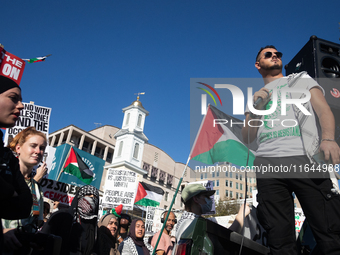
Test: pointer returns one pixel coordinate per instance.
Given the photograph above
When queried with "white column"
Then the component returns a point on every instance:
(81, 143)
(94, 147)
(61, 139)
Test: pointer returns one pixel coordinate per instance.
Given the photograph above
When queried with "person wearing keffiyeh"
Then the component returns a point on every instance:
(135, 244)
(84, 209)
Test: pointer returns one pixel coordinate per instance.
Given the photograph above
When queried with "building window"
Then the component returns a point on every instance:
(166, 197)
(170, 180)
(213, 183)
(226, 183)
(231, 175)
(230, 194)
(201, 176)
(218, 192)
(230, 184)
(226, 174)
(109, 157)
(139, 122)
(226, 193)
(217, 183)
(154, 173)
(218, 174)
(236, 185)
(241, 186)
(162, 176)
(127, 119)
(236, 195)
(120, 149)
(205, 176)
(135, 152)
(213, 175)
(251, 189)
(240, 177)
(236, 176)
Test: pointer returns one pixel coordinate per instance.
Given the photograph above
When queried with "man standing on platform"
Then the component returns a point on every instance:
(293, 148)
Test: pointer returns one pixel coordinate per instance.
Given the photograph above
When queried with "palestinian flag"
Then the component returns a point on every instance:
(222, 143)
(75, 165)
(38, 59)
(148, 195)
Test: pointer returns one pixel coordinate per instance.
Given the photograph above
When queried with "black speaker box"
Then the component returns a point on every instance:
(321, 60)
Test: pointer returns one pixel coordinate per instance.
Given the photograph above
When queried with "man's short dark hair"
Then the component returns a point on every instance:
(262, 48)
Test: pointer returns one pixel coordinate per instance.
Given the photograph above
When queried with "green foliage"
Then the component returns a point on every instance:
(226, 207)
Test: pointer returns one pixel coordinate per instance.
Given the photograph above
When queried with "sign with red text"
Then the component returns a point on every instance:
(63, 192)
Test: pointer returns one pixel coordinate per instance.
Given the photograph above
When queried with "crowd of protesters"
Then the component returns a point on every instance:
(31, 225)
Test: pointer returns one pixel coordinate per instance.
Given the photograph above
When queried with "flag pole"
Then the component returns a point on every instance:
(179, 183)
(170, 207)
(62, 168)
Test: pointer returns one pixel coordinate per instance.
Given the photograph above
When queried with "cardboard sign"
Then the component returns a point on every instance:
(11, 66)
(120, 188)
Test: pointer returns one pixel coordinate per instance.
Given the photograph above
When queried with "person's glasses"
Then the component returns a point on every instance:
(269, 54)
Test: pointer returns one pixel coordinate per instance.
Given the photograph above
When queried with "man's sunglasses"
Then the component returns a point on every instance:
(269, 54)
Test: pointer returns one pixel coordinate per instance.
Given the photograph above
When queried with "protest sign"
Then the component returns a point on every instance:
(209, 186)
(62, 191)
(120, 188)
(11, 66)
(31, 115)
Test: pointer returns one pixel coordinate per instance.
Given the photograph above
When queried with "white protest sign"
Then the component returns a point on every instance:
(120, 188)
(32, 115)
(209, 186)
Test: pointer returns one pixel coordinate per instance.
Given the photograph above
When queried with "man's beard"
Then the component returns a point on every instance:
(275, 67)
(168, 228)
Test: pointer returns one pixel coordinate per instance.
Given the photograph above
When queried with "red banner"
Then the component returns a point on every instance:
(11, 66)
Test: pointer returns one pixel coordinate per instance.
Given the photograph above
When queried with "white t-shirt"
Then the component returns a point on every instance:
(280, 136)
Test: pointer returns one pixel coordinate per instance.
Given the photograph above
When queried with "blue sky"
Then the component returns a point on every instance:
(105, 51)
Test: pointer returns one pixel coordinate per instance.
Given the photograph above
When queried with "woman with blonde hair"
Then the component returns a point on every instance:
(29, 145)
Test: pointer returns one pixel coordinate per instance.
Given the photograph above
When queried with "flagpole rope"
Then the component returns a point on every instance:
(170, 207)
